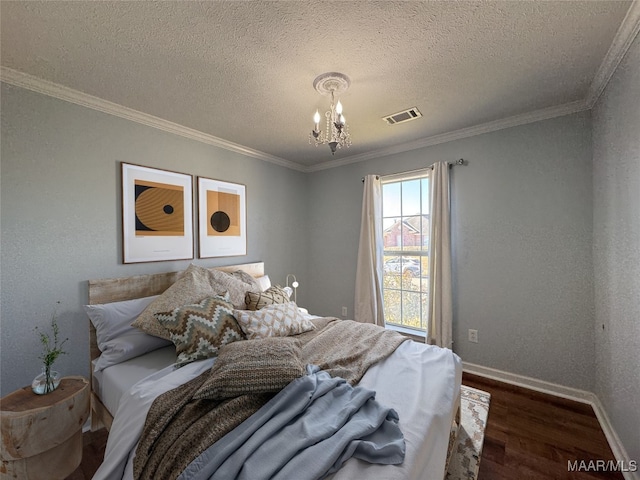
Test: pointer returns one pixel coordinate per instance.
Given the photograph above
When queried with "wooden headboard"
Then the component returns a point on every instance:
(127, 288)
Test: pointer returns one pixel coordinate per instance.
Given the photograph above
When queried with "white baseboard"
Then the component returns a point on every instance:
(530, 383)
(619, 452)
(612, 437)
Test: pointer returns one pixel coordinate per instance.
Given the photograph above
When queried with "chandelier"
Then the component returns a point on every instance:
(336, 134)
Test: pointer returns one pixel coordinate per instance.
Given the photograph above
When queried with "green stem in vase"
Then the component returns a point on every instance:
(52, 349)
(48, 381)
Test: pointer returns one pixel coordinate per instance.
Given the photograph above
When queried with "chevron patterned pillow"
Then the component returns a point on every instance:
(194, 285)
(272, 295)
(199, 330)
(277, 320)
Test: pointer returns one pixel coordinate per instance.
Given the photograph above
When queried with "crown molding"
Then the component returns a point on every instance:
(514, 121)
(45, 87)
(625, 36)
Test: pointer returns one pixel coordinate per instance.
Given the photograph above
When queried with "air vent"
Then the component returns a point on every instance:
(404, 116)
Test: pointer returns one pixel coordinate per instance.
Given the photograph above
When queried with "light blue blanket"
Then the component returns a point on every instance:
(307, 431)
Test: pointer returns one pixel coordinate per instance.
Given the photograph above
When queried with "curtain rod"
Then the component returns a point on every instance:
(457, 162)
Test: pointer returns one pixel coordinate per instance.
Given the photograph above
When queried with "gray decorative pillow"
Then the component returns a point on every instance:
(272, 295)
(246, 278)
(226, 282)
(199, 330)
(194, 285)
(252, 367)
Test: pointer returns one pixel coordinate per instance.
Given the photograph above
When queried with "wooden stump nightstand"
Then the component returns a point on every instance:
(42, 434)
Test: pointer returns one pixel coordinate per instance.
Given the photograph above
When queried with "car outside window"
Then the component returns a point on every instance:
(405, 212)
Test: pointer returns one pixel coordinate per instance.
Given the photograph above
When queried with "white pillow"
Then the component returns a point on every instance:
(129, 345)
(264, 282)
(277, 320)
(117, 339)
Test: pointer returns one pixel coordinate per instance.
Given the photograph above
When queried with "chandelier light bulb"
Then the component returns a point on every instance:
(336, 135)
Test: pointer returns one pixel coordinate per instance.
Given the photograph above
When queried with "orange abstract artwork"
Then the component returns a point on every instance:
(223, 214)
(159, 209)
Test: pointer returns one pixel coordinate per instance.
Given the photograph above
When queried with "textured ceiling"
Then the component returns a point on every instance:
(243, 71)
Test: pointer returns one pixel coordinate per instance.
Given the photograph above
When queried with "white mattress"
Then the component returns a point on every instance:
(421, 382)
(114, 381)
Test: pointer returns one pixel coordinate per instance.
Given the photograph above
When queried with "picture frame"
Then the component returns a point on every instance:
(157, 214)
(222, 218)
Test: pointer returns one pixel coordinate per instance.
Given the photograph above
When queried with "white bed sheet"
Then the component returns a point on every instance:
(114, 381)
(421, 382)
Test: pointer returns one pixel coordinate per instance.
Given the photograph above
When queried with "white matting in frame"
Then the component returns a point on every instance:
(222, 218)
(157, 214)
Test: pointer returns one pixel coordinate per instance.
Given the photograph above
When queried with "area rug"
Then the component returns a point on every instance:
(465, 459)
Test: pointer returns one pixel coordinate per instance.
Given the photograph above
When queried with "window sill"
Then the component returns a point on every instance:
(410, 332)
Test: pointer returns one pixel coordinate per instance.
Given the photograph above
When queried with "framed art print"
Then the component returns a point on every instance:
(222, 222)
(157, 214)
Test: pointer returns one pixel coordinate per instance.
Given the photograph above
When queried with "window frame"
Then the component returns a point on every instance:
(420, 251)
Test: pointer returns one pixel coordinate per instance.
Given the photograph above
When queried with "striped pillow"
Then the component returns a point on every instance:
(266, 365)
(199, 330)
(272, 295)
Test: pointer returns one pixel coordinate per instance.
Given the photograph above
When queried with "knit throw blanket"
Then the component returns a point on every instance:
(179, 428)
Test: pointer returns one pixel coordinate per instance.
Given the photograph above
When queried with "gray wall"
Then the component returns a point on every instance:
(524, 217)
(616, 232)
(61, 223)
(522, 230)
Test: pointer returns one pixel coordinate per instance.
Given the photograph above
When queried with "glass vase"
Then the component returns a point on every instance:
(46, 382)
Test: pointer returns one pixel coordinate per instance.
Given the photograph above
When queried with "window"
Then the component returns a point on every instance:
(405, 223)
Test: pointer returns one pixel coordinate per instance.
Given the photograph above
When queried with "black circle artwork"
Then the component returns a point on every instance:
(168, 209)
(220, 221)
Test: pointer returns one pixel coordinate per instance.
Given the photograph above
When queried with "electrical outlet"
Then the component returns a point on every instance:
(344, 311)
(473, 335)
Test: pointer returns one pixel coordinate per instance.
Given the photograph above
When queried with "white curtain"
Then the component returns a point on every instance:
(368, 298)
(440, 297)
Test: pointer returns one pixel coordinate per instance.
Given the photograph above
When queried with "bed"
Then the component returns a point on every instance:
(421, 383)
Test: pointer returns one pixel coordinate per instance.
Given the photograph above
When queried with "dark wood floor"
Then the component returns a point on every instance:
(529, 435)
(92, 454)
(532, 435)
